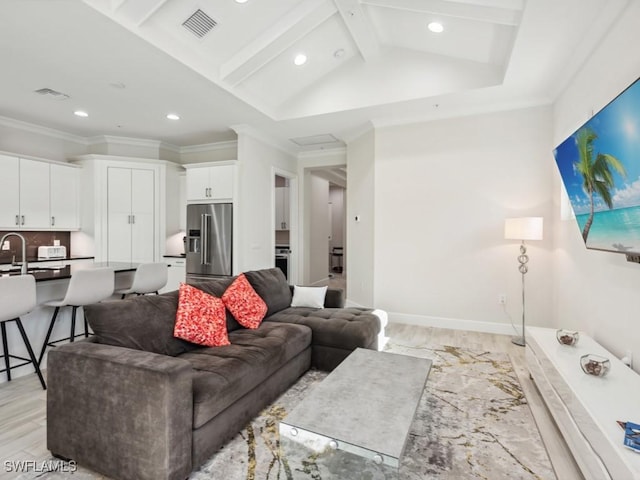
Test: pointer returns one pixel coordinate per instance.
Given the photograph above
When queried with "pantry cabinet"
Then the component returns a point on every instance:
(130, 214)
(123, 208)
(210, 182)
(34, 193)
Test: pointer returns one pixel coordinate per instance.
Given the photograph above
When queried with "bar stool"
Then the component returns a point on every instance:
(149, 278)
(17, 297)
(85, 287)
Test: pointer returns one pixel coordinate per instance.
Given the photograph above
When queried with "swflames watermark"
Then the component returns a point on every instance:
(40, 466)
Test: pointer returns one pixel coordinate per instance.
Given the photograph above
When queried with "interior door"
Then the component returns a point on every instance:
(119, 221)
(143, 219)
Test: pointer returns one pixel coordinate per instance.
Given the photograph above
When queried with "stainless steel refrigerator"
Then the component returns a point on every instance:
(209, 240)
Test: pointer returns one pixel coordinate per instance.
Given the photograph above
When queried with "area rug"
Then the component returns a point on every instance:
(473, 422)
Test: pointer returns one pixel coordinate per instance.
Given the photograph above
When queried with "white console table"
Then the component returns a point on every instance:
(585, 407)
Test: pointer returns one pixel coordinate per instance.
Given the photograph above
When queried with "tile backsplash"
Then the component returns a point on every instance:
(34, 240)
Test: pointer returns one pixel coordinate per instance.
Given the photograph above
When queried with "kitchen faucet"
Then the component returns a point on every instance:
(23, 268)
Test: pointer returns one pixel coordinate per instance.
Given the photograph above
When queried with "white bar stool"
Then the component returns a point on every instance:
(17, 298)
(85, 287)
(149, 278)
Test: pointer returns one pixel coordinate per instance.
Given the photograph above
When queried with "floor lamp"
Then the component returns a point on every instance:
(522, 228)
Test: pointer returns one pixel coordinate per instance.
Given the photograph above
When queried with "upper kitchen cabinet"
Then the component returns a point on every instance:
(210, 182)
(37, 195)
(63, 194)
(9, 192)
(282, 208)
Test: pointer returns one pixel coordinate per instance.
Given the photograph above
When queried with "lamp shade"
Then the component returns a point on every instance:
(523, 228)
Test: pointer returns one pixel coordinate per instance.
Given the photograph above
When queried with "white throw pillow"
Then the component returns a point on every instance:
(308, 296)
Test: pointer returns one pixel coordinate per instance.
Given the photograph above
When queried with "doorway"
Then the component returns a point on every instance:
(285, 215)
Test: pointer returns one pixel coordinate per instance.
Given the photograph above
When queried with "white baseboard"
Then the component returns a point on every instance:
(452, 323)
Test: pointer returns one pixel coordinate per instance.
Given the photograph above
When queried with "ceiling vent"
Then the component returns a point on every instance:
(199, 23)
(52, 93)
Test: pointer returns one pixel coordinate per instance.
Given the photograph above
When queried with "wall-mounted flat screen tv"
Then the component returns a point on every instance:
(600, 169)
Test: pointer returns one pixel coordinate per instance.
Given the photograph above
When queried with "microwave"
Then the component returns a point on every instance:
(58, 251)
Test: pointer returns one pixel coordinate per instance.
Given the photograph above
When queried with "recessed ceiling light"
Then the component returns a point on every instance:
(241, 1)
(81, 113)
(300, 59)
(436, 27)
(173, 116)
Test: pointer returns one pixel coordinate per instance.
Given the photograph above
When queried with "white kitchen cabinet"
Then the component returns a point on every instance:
(130, 214)
(34, 194)
(63, 193)
(282, 208)
(9, 192)
(37, 195)
(210, 183)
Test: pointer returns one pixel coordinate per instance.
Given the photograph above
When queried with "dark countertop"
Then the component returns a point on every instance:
(43, 274)
(182, 255)
(7, 261)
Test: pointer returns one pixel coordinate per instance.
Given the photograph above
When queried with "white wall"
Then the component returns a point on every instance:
(360, 235)
(255, 201)
(442, 192)
(597, 292)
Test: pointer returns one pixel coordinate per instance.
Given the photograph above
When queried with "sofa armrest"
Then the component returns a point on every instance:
(334, 298)
(125, 413)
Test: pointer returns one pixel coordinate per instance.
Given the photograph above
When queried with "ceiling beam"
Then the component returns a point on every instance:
(359, 27)
(289, 29)
(478, 10)
(138, 11)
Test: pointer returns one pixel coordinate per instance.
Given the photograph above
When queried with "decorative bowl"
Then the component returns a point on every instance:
(595, 365)
(567, 337)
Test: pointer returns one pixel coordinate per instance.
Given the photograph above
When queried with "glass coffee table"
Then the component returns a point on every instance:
(356, 422)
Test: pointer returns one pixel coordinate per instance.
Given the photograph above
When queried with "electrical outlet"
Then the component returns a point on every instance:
(502, 299)
(6, 245)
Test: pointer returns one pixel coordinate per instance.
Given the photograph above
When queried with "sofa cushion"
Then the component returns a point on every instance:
(272, 287)
(224, 374)
(244, 303)
(346, 328)
(216, 286)
(200, 318)
(308, 296)
(142, 323)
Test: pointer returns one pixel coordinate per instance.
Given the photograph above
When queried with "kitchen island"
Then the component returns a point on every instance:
(51, 284)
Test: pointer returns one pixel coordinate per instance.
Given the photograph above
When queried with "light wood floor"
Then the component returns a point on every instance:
(23, 402)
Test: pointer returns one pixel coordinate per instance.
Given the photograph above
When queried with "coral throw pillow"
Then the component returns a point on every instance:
(201, 318)
(246, 306)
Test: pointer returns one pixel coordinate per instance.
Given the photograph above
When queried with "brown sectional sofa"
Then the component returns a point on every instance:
(133, 402)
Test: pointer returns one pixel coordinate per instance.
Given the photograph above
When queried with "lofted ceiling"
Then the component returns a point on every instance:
(130, 62)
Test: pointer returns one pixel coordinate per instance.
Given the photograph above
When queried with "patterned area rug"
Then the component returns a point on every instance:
(473, 422)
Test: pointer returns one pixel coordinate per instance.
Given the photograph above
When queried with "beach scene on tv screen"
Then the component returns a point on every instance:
(600, 169)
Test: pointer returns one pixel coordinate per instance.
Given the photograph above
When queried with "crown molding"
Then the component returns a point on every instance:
(258, 135)
(208, 147)
(39, 129)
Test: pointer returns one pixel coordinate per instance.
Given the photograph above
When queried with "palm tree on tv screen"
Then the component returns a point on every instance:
(597, 174)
